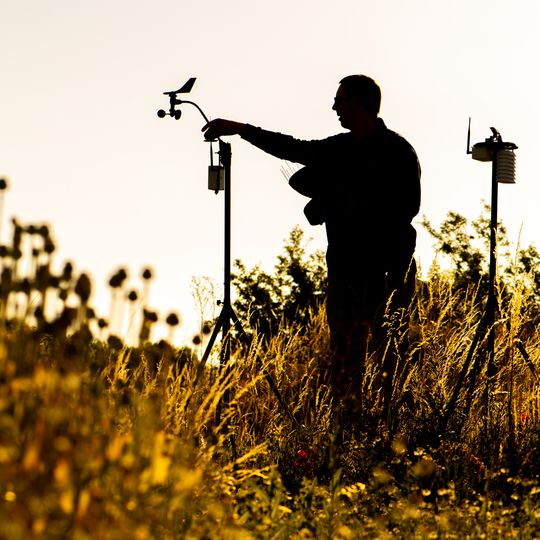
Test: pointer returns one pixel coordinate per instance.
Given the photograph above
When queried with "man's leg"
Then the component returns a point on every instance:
(390, 332)
(348, 343)
(348, 311)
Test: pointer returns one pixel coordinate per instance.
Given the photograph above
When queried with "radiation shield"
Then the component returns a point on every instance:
(216, 178)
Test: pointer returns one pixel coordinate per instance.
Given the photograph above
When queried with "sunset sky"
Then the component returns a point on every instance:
(83, 148)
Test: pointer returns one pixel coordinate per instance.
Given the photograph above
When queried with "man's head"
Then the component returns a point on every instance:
(357, 101)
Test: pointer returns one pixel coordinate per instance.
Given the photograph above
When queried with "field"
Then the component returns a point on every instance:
(99, 440)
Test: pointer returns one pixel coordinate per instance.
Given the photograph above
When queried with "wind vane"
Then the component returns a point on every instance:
(174, 101)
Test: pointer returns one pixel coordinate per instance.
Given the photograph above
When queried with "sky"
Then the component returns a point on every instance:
(83, 149)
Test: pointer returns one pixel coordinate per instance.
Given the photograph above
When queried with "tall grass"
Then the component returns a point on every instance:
(102, 440)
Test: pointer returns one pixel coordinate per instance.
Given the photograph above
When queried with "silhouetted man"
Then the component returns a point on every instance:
(365, 186)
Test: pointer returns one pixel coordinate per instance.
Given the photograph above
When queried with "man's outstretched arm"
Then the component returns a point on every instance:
(279, 145)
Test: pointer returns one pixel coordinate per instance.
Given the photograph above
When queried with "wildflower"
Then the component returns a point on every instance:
(49, 246)
(115, 343)
(24, 286)
(206, 328)
(118, 279)
(146, 276)
(63, 322)
(6, 278)
(38, 314)
(83, 288)
(172, 319)
(17, 234)
(102, 323)
(301, 458)
(150, 316)
(42, 277)
(132, 296)
(67, 272)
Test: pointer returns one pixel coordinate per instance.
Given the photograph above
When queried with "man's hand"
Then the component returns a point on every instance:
(220, 128)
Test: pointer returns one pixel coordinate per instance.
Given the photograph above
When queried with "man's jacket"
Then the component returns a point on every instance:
(365, 191)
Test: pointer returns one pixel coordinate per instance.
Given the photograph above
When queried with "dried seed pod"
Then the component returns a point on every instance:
(24, 286)
(39, 315)
(6, 281)
(49, 246)
(115, 343)
(67, 272)
(118, 279)
(83, 288)
(132, 296)
(172, 319)
(207, 328)
(42, 277)
(102, 323)
(150, 316)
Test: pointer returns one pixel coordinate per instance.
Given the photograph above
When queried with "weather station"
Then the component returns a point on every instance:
(219, 179)
(503, 171)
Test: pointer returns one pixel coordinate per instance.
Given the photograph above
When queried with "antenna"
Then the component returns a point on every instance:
(469, 151)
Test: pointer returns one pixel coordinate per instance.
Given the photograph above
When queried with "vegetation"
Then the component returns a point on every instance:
(103, 440)
(467, 246)
(286, 297)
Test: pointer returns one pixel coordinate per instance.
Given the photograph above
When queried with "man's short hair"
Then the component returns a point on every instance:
(365, 89)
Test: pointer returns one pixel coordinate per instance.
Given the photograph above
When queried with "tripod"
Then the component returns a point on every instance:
(227, 318)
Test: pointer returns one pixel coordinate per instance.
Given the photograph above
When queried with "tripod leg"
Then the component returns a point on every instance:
(237, 323)
(204, 358)
(480, 331)
(521, 348)
(213, 337)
